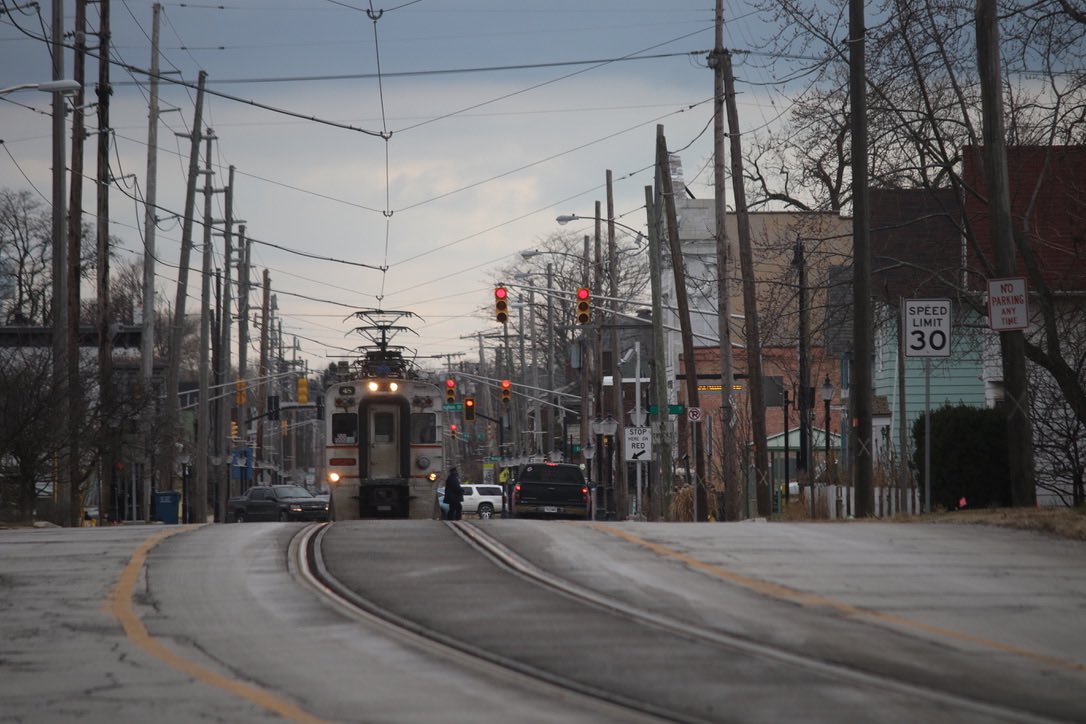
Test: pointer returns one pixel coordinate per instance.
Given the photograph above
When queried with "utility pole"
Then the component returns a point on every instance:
(243, 331)
(616, 371)
(261, 399)
(735, 485)
(755, 378)
(108, 453)
(551, 412)
(197, 503)
(224, 351)
(863, 335)
(171, 411)
(996, 176)
(659, 361)
(147, 336)
(74, 270)
(663, 170)
(66, 484)
(803, 399)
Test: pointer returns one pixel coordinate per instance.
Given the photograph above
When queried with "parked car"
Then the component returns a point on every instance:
(481, 500)
(277, 502)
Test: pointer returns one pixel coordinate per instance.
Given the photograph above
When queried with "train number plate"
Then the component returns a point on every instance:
(550, 508)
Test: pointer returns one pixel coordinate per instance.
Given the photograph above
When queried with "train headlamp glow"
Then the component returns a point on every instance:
(333, 477)
(393, 386)
(373, 386)
(431, 477)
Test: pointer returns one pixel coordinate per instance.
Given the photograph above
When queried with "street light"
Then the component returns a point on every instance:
(827, 395)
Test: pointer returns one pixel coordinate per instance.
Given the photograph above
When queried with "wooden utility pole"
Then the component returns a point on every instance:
(996, 176)
(663, 171)
(243, 333)
(863, 330)
(197, 503)
(171, 408)
(224, 352)
(755, 379)
(66, 487)
(261, 388)
(662, 493)
(617, 462)
(74, 267)
(109, 459)
(150, 226)
(735, 484)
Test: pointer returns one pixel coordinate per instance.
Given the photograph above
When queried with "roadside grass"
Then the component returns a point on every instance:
(1062, 522)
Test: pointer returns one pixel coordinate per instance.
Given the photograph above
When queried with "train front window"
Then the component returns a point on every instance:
(423, 427)
(344, 428)
(383, 426)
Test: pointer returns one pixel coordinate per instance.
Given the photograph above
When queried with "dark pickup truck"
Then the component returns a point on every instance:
(276, 502)
(553, 490)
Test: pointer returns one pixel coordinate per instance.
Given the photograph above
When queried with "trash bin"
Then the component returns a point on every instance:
(167, 506)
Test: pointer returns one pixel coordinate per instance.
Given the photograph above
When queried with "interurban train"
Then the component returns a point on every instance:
(383, 430)
(384, 455)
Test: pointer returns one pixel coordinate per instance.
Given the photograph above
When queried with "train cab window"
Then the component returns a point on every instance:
(423, 427)
(383, 427)
(344, 428)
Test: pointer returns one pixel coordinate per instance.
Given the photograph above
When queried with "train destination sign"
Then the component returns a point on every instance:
(927, 327)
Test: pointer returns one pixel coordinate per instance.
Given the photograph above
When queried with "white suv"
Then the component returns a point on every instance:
(482, 500)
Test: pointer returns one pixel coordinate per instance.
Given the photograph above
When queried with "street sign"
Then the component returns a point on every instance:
(453, 406)
(927, 327)
(1007, 304)
(638, 443)
(693, 414)
(671, 409)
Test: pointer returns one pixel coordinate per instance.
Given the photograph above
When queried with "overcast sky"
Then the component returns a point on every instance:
(484, 125)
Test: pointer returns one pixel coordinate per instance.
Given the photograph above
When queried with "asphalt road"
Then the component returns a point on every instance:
(214, 626)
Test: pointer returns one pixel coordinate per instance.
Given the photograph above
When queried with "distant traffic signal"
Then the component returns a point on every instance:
(469, 408)
(273, 407)
(584, 306)
(452, 430)
(450, 391)
(303, 391)
(501, 304)
(233, 429)
(506, 391)
(239, 392)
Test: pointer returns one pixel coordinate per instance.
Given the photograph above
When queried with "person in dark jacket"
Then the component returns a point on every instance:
(454, 495)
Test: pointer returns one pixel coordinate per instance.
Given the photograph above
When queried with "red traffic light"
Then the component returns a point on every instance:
(584, 311)
(501, 304)
(450, 383)
(506, 384)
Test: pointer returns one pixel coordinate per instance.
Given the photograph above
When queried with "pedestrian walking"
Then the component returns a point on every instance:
(454, 495)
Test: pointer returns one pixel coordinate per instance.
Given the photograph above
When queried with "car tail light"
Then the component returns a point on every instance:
(584, 491)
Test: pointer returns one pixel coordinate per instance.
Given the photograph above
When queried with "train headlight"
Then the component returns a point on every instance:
(373, 386)
(333, 477)
(393, 386)
(432, 477)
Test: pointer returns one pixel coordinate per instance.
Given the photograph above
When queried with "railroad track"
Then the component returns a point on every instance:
(623, 704)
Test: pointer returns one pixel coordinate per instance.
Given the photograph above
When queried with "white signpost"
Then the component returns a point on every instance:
(1007, 304)
(927, 335)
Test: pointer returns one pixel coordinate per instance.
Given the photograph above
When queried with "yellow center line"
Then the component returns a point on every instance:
(120, 605)
(814, 600)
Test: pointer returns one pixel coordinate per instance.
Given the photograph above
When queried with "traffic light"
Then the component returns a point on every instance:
(501, 304)
(584, 306)
(273, 407)
(450, 391)
(283, 428)
(469, 408)
(303, 391)
(506, 391)
(320, 407)
(452, 430)
(233, 429)
(239, 392)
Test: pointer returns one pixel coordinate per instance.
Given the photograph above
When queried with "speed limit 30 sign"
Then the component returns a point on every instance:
(927, 327)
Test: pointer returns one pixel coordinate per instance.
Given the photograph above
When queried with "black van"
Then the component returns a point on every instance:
(552, 490)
